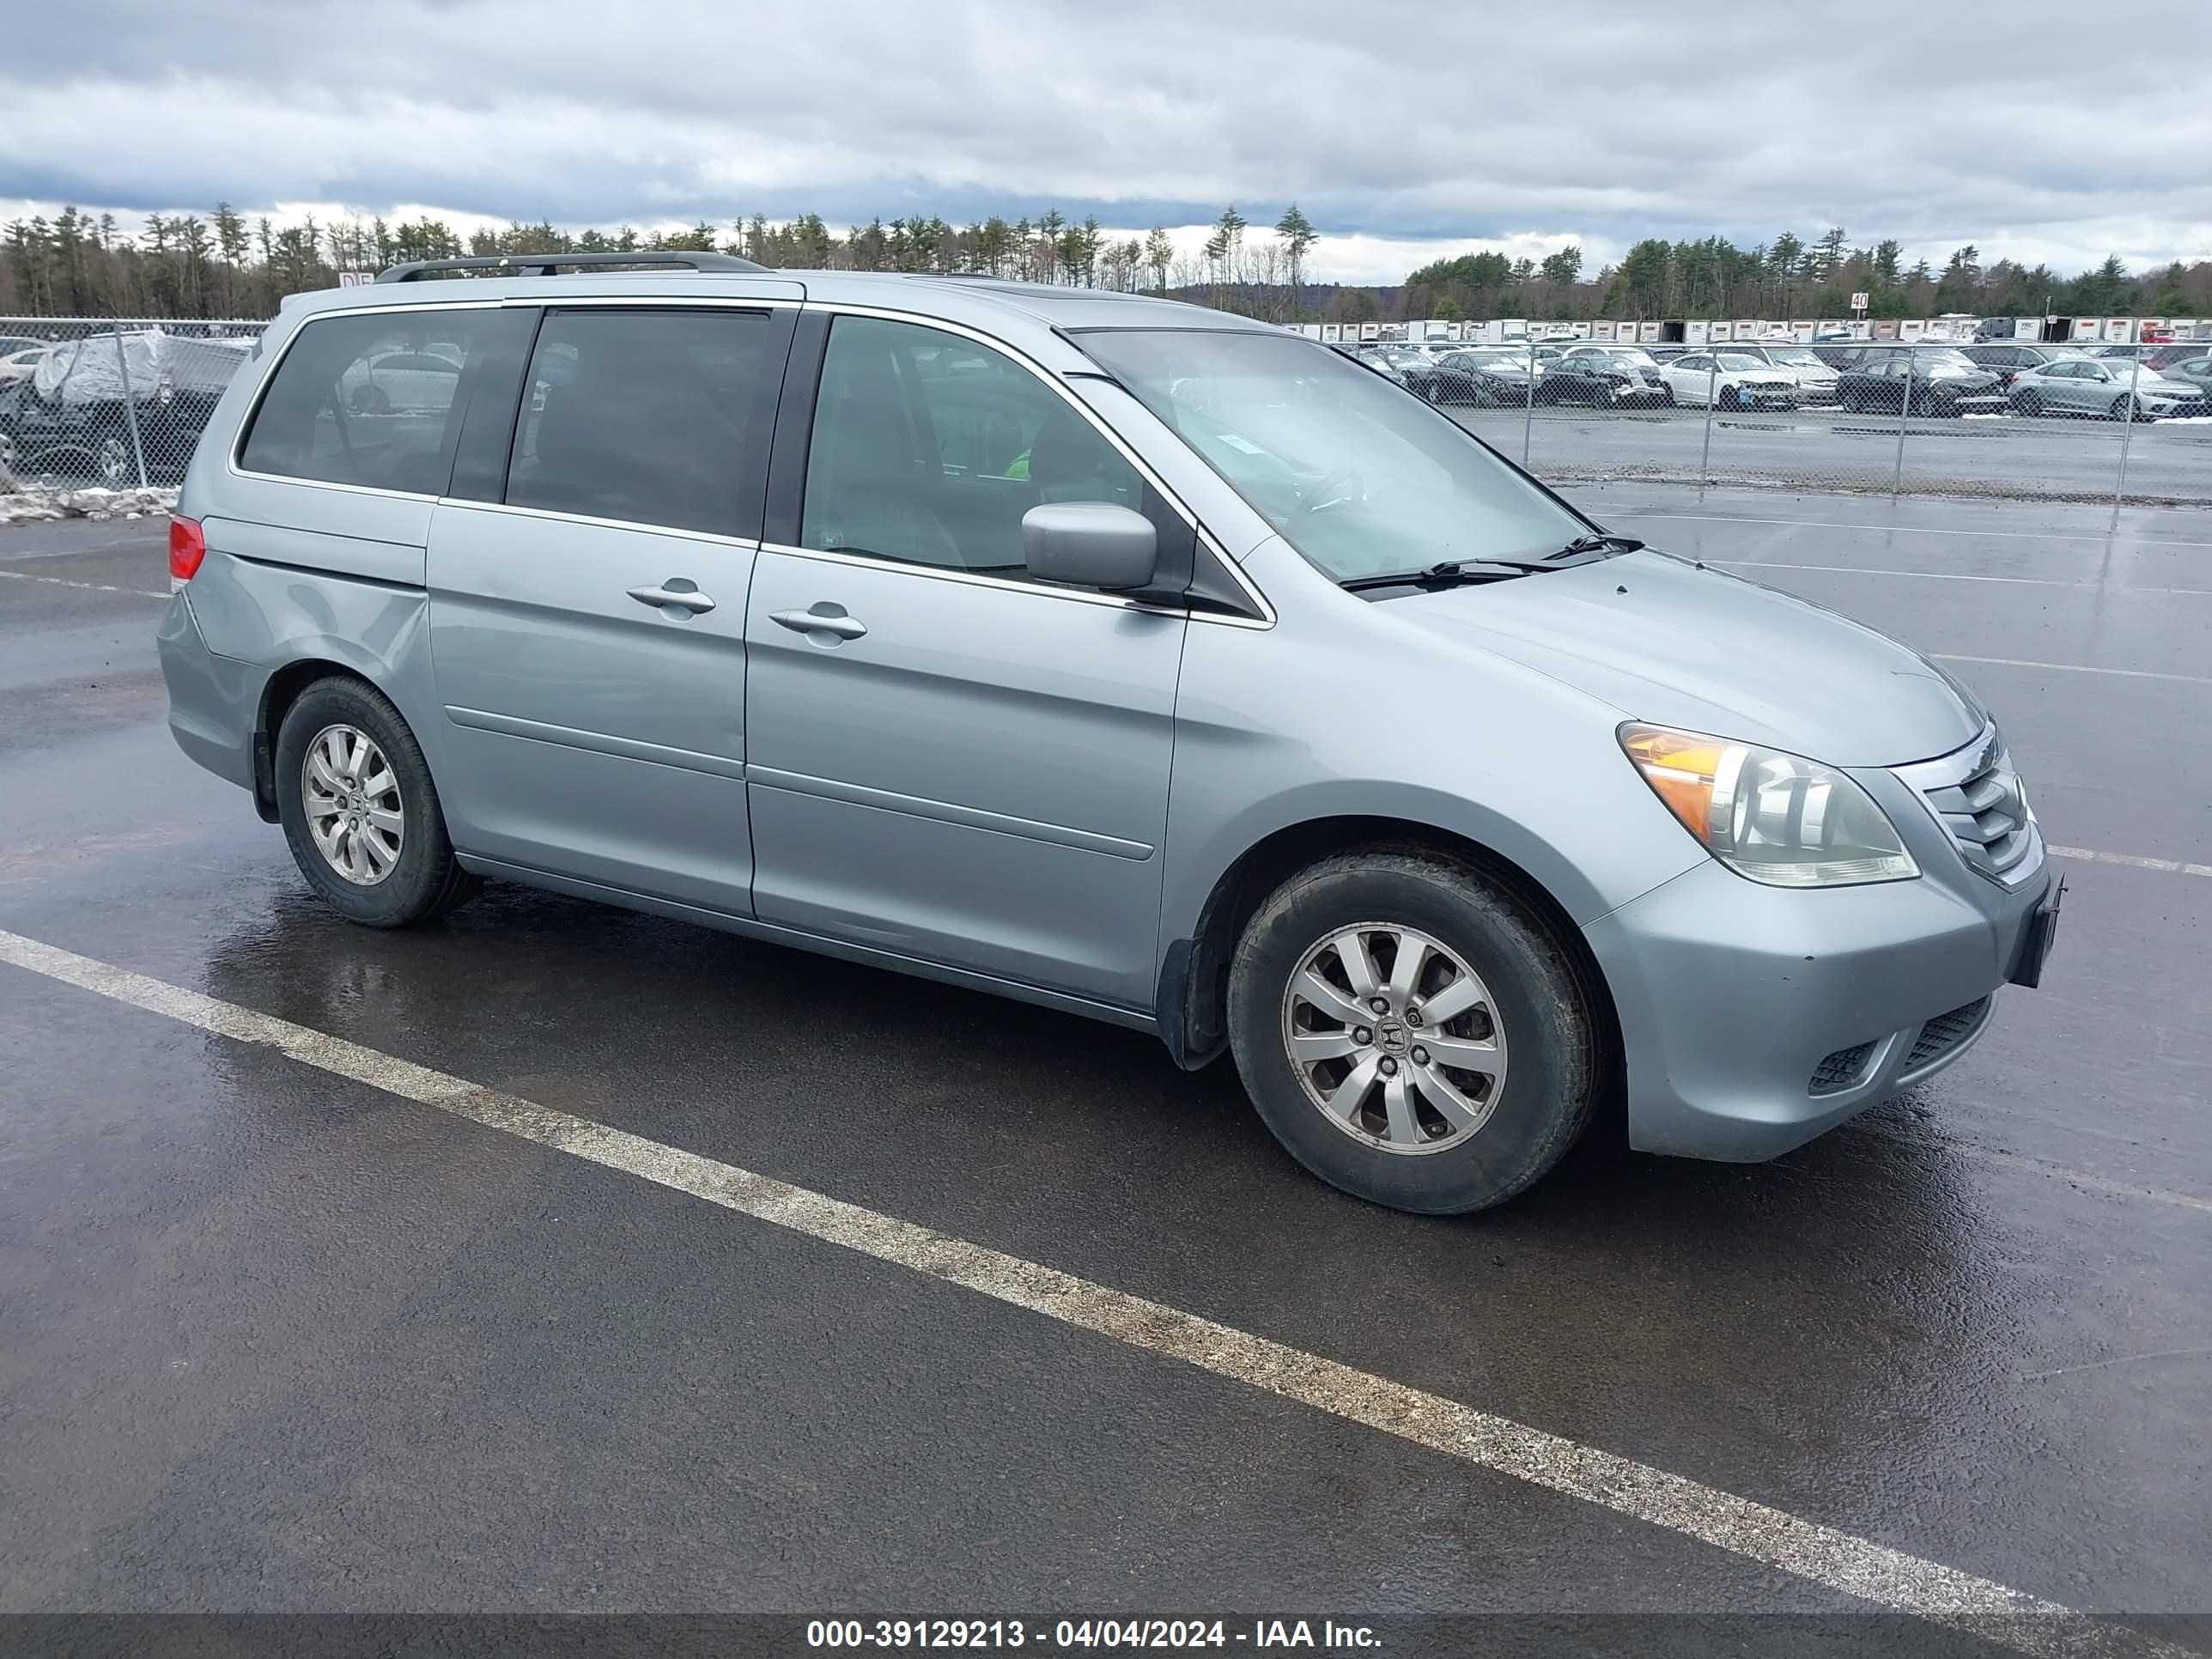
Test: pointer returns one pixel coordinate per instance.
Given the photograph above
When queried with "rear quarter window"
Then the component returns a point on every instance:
(370, 400)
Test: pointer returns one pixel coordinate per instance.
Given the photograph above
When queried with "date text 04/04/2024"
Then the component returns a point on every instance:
(1086, 1633)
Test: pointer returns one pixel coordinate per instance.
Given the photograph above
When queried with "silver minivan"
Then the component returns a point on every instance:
(1101, 652)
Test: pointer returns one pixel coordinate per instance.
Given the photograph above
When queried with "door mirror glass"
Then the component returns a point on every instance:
(1090, 545)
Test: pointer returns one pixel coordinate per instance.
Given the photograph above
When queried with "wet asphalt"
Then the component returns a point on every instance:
(274, 1340)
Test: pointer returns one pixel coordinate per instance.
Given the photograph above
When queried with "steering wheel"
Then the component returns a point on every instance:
(1344, 484)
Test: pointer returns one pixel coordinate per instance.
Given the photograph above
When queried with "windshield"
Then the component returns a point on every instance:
(1949, 357)
(1739, 359)
(1796, 356)
(1631, 354)
(1358, 476)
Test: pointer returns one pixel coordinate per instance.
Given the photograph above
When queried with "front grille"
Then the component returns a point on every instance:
(1945, 1032)
(1977, 796)
(1839, 1070)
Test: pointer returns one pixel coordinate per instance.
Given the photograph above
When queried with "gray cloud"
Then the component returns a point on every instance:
(2037, 136)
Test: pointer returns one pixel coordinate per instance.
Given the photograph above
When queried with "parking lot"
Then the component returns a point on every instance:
(2059, 459)
(556, 1259)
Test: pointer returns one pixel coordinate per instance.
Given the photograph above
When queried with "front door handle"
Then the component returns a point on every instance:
(676, 591)
(826, 619)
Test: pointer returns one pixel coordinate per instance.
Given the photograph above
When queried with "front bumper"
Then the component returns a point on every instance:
(1753, 1018)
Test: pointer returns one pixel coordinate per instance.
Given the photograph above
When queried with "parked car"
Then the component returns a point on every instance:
(2160, 356)
(1944, 381)
(1495, 376)
(402, 380)
(1729, 380)
(1604, 377)
(1371, 357)
(73, 416)
(2098, 387)
(1815, 378)
(22, 361)
(2196, 371)
(728, 628)
(2009, 358)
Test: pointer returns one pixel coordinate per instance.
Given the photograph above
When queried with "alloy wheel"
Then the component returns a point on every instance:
(352, 798)
(1393, 1038)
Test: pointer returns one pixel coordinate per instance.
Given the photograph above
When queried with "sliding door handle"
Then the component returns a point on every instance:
(676, 592)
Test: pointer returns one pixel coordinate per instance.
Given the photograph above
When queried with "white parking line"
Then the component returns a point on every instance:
(89, 587)
(1823, 1555)
(1913, 529)
(1951, 576)
(2073, 668)
(2133, 862)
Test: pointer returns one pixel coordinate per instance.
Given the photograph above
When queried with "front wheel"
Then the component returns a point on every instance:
(2029, 404)
(359, 809)
(1411, 1033)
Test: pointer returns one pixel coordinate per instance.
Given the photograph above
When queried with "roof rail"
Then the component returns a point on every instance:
(545, 265)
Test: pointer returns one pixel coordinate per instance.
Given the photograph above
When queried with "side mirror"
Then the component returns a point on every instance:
(1090, 545)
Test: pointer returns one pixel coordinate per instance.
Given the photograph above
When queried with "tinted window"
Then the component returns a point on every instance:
(928, 448)
(649, 416)
(368, 400)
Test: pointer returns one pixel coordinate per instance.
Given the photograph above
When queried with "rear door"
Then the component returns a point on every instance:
(949, 760)
(587, 607)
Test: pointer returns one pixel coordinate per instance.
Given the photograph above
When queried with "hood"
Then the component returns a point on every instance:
(1712, 652)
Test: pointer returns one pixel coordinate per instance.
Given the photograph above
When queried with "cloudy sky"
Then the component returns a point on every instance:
(2038, 130)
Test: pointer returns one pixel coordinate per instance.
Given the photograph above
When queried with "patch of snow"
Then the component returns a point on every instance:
(43, 506)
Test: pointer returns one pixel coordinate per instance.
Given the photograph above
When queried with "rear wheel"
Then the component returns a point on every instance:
(359, 809)
(1411, 1033)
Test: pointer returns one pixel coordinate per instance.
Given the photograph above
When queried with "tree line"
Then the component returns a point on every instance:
(1789, 278)
(227, 264)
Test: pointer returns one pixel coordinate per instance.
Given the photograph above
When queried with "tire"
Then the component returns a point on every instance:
(2029, 403)
(1547, 1073)
(113, 465)
(424, 879)
(1731, 398)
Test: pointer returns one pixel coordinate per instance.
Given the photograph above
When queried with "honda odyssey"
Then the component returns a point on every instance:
(1101, 652)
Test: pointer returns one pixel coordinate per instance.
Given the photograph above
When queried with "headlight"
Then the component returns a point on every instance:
(1775, 818)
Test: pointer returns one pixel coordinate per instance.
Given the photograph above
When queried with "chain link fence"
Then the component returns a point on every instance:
(2117, 423)
(118, 404)
(109, 402)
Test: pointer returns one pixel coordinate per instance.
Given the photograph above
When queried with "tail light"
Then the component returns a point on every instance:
(187, 547)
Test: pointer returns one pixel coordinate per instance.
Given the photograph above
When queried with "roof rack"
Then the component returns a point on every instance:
(545, 265)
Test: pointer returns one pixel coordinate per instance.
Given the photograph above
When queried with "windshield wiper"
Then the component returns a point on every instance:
(1450, 573)
(1599, 544)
